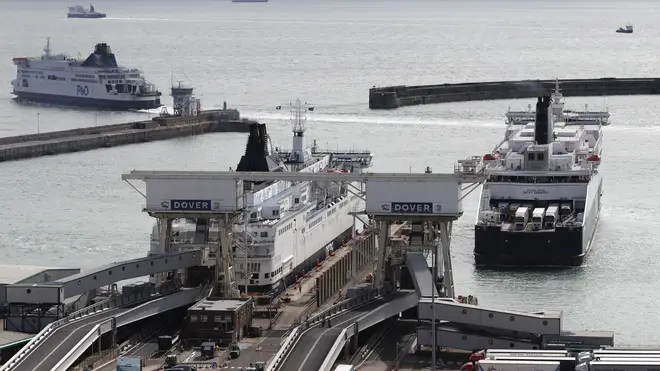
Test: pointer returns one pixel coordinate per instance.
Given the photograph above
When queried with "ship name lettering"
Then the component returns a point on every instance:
(535, 191)
(82, 90)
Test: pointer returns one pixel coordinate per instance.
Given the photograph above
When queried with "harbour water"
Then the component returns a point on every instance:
(73, 210)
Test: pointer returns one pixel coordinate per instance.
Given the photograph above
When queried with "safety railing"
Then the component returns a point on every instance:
(290, 340)
(43, 334)
(330, 359)
(404, 351)
(84, 344)
(291, 337)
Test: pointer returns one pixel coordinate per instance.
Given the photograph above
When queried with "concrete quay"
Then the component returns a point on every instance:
(85, 139)
(390, 97)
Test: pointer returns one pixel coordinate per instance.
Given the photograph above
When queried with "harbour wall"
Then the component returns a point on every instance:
(85, 139)
(398, 96)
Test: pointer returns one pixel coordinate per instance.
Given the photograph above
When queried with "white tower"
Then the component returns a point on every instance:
(299, 153)
(184, 102)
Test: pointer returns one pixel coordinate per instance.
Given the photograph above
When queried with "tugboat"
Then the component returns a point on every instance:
(625, 29)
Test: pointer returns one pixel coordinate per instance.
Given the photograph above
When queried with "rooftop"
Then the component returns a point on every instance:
(219, 304)
(10, 273)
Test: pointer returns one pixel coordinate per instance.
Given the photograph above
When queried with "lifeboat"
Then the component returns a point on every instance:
(593, 158)
(489, 157)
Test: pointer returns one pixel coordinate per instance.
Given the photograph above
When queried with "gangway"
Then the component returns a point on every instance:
(62, 346)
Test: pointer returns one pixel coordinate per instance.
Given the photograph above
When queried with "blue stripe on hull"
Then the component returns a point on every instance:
(89, 102)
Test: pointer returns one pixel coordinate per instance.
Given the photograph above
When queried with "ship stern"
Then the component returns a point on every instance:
(561, 247)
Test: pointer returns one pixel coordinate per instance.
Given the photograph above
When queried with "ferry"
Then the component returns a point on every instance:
(288, 227)
(78, 11)
(559, 113)
(97, 81)
(541, 200)
(625, 29)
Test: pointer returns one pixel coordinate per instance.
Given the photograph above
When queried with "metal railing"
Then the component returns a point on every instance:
(332, 355)
(84, 344)
(291, 337)
(404, 352)
(43, 334)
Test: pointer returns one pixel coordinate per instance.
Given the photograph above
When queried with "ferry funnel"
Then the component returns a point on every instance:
(542, 131)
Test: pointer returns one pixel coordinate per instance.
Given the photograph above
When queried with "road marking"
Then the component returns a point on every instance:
(357, 318)
(57, 347)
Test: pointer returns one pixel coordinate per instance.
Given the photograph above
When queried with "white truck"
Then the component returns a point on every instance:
(522, 217)
(551, 216)
(537, 218)
(500, 365)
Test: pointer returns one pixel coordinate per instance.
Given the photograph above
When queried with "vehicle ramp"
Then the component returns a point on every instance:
(319, 346)
(66, 344)
(421, 275)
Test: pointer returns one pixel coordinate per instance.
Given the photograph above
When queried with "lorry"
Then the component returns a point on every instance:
(522, 217)
(537, 218)
(551, 215)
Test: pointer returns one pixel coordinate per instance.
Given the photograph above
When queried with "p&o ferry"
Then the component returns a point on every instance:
(97, 81)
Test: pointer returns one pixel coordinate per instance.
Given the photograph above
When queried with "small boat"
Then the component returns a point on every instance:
(78, 11)
(625, 29)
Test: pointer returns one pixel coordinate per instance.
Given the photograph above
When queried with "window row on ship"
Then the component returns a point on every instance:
(539, 179)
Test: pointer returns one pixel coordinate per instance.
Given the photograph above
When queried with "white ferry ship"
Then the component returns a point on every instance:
(78, 11)
(290, 225)
(97, 81)
(559, 113)
(541, 201)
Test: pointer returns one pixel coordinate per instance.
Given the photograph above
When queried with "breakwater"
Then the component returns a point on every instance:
(398, 96)
(85, 139)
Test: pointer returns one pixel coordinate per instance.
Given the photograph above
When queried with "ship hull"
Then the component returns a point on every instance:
(89, 16)
(562, 247)
(90, 102)
(308, 265)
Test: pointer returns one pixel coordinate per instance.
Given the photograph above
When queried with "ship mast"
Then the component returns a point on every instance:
(47, 47)
(299, 125)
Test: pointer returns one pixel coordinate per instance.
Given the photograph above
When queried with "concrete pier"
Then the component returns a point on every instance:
(85, 139)
(398, 96)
